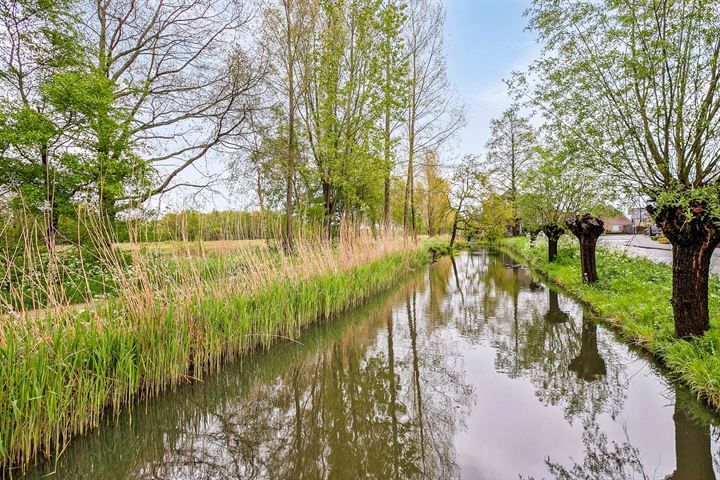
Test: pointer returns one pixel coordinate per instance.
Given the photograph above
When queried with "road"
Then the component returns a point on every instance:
(642, 246)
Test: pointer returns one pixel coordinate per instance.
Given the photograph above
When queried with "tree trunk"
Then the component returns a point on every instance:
(693, 242)
(290, 167)
(386, 206)
(553, 233)
(327, 213)
(455, 226)
(587, 229)
(386, 149)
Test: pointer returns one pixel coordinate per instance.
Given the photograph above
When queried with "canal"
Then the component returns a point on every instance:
(471, 368)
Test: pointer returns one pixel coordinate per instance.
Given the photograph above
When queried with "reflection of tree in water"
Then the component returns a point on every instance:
(487, 293)
(381, 397)
(554, 314)
(438, 283)
(343, 413)
(606, 460)
(693, 446)
(537, 338)
(438, 396)
(588, 365)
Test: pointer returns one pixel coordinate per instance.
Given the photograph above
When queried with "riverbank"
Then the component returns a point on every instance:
(633, 295)
(66, 369)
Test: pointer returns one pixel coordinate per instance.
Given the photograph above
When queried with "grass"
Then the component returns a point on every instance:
(172, 319)
(633, 295)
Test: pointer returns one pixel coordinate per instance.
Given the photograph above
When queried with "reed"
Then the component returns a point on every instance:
(173, 317)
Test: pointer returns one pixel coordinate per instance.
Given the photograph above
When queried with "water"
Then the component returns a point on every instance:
(468, 369)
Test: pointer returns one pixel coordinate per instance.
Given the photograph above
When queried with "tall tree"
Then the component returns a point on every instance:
(392, 68)
(285, 34)
(340, 112)
(432, 112)
(554, 191)
(638, 83)
(510, 151)
(40, 41)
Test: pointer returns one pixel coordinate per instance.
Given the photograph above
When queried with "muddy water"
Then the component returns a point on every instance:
(470, 369)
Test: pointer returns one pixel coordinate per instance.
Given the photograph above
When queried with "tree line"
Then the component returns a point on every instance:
(319, 107)
(336, 112)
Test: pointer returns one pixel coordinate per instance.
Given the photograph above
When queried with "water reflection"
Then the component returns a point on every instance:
(693, 444)
(621, 460)
(471, 368)
(554, 314)
(588, 365)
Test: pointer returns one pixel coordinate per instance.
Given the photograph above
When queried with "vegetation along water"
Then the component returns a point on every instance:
(443, 375)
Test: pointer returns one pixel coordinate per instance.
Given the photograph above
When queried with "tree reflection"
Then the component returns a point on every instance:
(379, 396)
(540, 336)
(554, 314)
(588, 365)
(693, 446)
(621, 460)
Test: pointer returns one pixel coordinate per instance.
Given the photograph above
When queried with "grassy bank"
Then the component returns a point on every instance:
(633, 294)
(171, 322)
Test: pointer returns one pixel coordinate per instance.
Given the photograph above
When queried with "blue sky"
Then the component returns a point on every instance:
(485, 40)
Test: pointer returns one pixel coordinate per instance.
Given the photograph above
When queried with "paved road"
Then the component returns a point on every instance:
(642, 246)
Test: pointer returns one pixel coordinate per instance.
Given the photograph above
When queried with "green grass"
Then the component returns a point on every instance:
(61, 371)
(633, 295)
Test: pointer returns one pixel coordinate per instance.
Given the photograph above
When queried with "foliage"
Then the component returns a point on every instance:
(696, 203)
(634, 84)
(495, 215)
(556, 189)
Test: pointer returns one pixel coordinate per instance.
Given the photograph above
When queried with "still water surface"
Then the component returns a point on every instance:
(470, 369)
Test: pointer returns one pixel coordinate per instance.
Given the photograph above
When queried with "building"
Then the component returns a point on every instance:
(618, 224)
(642, 221)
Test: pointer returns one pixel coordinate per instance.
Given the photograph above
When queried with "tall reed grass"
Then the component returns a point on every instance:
(173, 317)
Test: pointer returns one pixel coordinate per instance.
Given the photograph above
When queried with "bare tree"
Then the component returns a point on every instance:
(433, 115)
(183, 85)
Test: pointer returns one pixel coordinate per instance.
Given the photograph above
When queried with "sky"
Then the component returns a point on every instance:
(485, 41)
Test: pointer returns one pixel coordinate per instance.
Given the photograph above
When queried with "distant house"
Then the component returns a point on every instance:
(642, 221)
(639, 216)
(618, 224)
